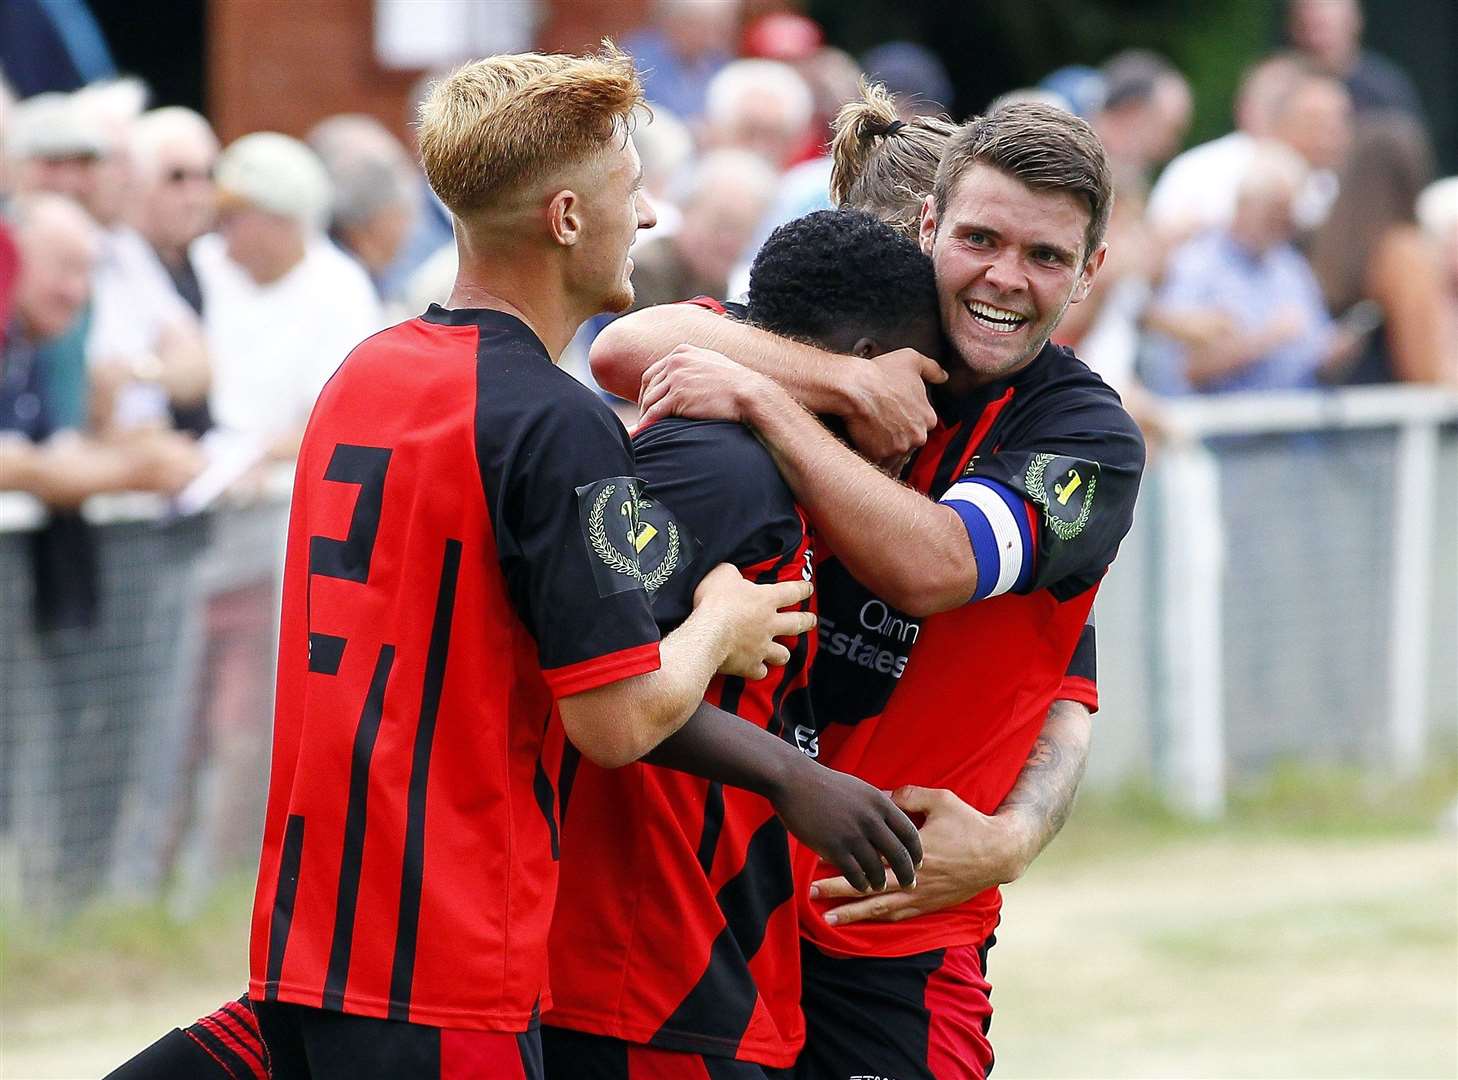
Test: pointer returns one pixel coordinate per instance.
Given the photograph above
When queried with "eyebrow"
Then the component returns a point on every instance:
(987, 230)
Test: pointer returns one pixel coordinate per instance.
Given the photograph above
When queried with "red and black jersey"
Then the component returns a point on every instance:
(1043, 468)
(675, 926)
(450, 573)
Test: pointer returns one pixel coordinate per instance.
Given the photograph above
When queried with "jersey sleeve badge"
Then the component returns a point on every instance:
(1063, 488)
(633, 541)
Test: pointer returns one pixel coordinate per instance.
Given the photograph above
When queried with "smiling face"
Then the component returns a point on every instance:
(1009, 260)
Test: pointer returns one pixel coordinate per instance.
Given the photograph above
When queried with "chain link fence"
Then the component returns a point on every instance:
(136, 666)
(1289, 592)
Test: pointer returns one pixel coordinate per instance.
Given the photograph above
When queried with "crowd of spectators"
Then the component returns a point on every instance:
(161, 295)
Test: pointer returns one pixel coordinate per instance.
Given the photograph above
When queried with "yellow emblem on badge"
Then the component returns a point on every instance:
(1063, 491)
(639, 534)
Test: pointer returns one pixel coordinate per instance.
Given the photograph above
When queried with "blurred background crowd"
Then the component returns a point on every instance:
(158, 285)
(173, 295)
(204, 206)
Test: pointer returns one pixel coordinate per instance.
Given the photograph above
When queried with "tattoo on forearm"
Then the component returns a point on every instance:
(1047, 785)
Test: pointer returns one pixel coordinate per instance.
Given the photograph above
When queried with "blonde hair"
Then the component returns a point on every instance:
(491, 126)
(882, 164)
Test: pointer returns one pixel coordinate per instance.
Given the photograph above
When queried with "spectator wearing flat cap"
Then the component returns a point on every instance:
(281, 304)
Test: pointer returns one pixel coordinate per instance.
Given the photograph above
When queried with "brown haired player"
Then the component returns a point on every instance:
(986, 559)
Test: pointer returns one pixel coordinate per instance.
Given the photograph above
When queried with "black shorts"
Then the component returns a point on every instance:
(224, 1045)
(921, 1017)
(318, 1044)
(577, 1055)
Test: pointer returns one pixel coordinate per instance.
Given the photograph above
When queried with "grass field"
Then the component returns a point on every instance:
(1315, 934)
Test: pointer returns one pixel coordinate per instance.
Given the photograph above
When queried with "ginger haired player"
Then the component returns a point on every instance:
(465, 581)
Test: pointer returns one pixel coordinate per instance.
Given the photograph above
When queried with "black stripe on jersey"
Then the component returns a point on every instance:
(713, 824)
(355, 816)
(571, 758)
(412, 868)
(325, 653)
(1084, 664)
(546, 799)
(721, 1004)
(283, 903)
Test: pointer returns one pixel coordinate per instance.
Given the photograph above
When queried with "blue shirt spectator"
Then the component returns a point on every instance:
(1270, 292)
(681, 51)
(1239, 307)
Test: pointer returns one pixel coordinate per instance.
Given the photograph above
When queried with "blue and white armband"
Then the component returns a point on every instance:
(1001, 531)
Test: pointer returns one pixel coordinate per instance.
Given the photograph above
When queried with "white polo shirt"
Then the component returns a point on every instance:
(274, 346)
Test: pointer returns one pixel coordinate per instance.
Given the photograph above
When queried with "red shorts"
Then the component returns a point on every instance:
(920, 1017)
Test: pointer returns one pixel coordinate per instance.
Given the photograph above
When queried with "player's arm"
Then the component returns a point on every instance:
(909, 550)
(558, 474)
(847, 821)
(883, 401)
(732, 628)
(966, 851)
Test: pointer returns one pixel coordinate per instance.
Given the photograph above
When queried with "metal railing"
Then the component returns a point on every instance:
(1289, 591)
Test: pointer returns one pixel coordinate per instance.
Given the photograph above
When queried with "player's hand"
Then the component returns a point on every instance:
(891, 415)
(963, 853)
(752, 619)
(850, 824)
(698, 383)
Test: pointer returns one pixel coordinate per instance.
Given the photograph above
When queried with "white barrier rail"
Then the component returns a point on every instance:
(1196, 571)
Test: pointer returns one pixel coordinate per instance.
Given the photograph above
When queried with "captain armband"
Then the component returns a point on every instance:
(999, 523)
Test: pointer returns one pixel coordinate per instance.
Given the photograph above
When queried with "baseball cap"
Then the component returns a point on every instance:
(275, 173)
(50, 126)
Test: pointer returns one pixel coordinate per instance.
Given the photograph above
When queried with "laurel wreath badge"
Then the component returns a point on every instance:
(615, 559)
(1034, 481)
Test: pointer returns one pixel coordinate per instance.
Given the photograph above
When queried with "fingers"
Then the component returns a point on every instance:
(655, 402)
(905, 830)
(933, 372)
(776, 655)
(789, 593)
(870, 863)
(853, 875)
(920, 800)
(902, 852)
(834, 888)
(792, 623)
(887, 907)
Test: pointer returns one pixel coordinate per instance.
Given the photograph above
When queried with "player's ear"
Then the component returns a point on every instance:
(564, 217)
(1088, 273)
(927, 231)
(866, 348)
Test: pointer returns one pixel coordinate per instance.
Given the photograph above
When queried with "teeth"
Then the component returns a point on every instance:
(995, 318)
(996, 314)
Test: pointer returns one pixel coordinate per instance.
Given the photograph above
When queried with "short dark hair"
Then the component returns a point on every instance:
(837, 270)
(1045, 147)
(1132, 77)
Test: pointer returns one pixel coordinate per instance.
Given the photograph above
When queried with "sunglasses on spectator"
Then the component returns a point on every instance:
(180, 175)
